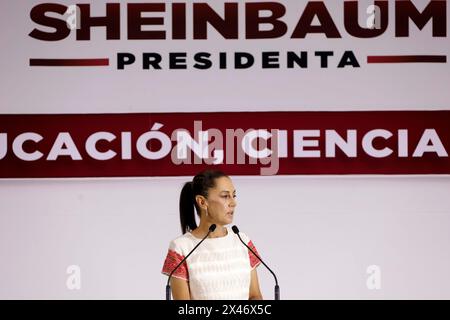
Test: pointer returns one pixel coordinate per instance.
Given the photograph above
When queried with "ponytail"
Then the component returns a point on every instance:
(187, 214)
(200, 185)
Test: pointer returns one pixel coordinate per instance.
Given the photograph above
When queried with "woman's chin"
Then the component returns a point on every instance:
(229, 219)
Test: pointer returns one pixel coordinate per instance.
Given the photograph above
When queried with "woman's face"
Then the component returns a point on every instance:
(222, 201)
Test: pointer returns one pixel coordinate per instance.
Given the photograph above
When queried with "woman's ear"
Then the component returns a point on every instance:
(201, 202)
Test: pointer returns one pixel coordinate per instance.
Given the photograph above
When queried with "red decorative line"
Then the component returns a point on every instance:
(254, 261)
(173, 258)
(69, 62)
(407, 59)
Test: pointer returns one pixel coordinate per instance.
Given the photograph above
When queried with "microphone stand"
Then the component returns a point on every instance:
(277, 287)
(168, 289)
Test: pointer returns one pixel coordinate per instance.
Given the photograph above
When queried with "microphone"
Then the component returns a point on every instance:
(168, 289)
(277, 287)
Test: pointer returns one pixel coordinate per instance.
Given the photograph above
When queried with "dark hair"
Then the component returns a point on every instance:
(199, 185)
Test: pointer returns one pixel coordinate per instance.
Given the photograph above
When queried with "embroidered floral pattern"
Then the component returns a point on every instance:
(172, 260)
(254, 261)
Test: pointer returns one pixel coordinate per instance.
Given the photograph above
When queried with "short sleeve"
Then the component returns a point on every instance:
(254, 261)
(173, 258)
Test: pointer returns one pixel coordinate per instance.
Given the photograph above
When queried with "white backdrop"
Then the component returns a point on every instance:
(319, 234)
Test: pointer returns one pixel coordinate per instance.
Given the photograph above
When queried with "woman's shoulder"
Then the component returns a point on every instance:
(181, 242)
(244, 237)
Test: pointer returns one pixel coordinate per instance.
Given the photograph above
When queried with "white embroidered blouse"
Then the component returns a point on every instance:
(219, 269)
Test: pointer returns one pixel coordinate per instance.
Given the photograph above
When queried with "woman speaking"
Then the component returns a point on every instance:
(221, 267)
